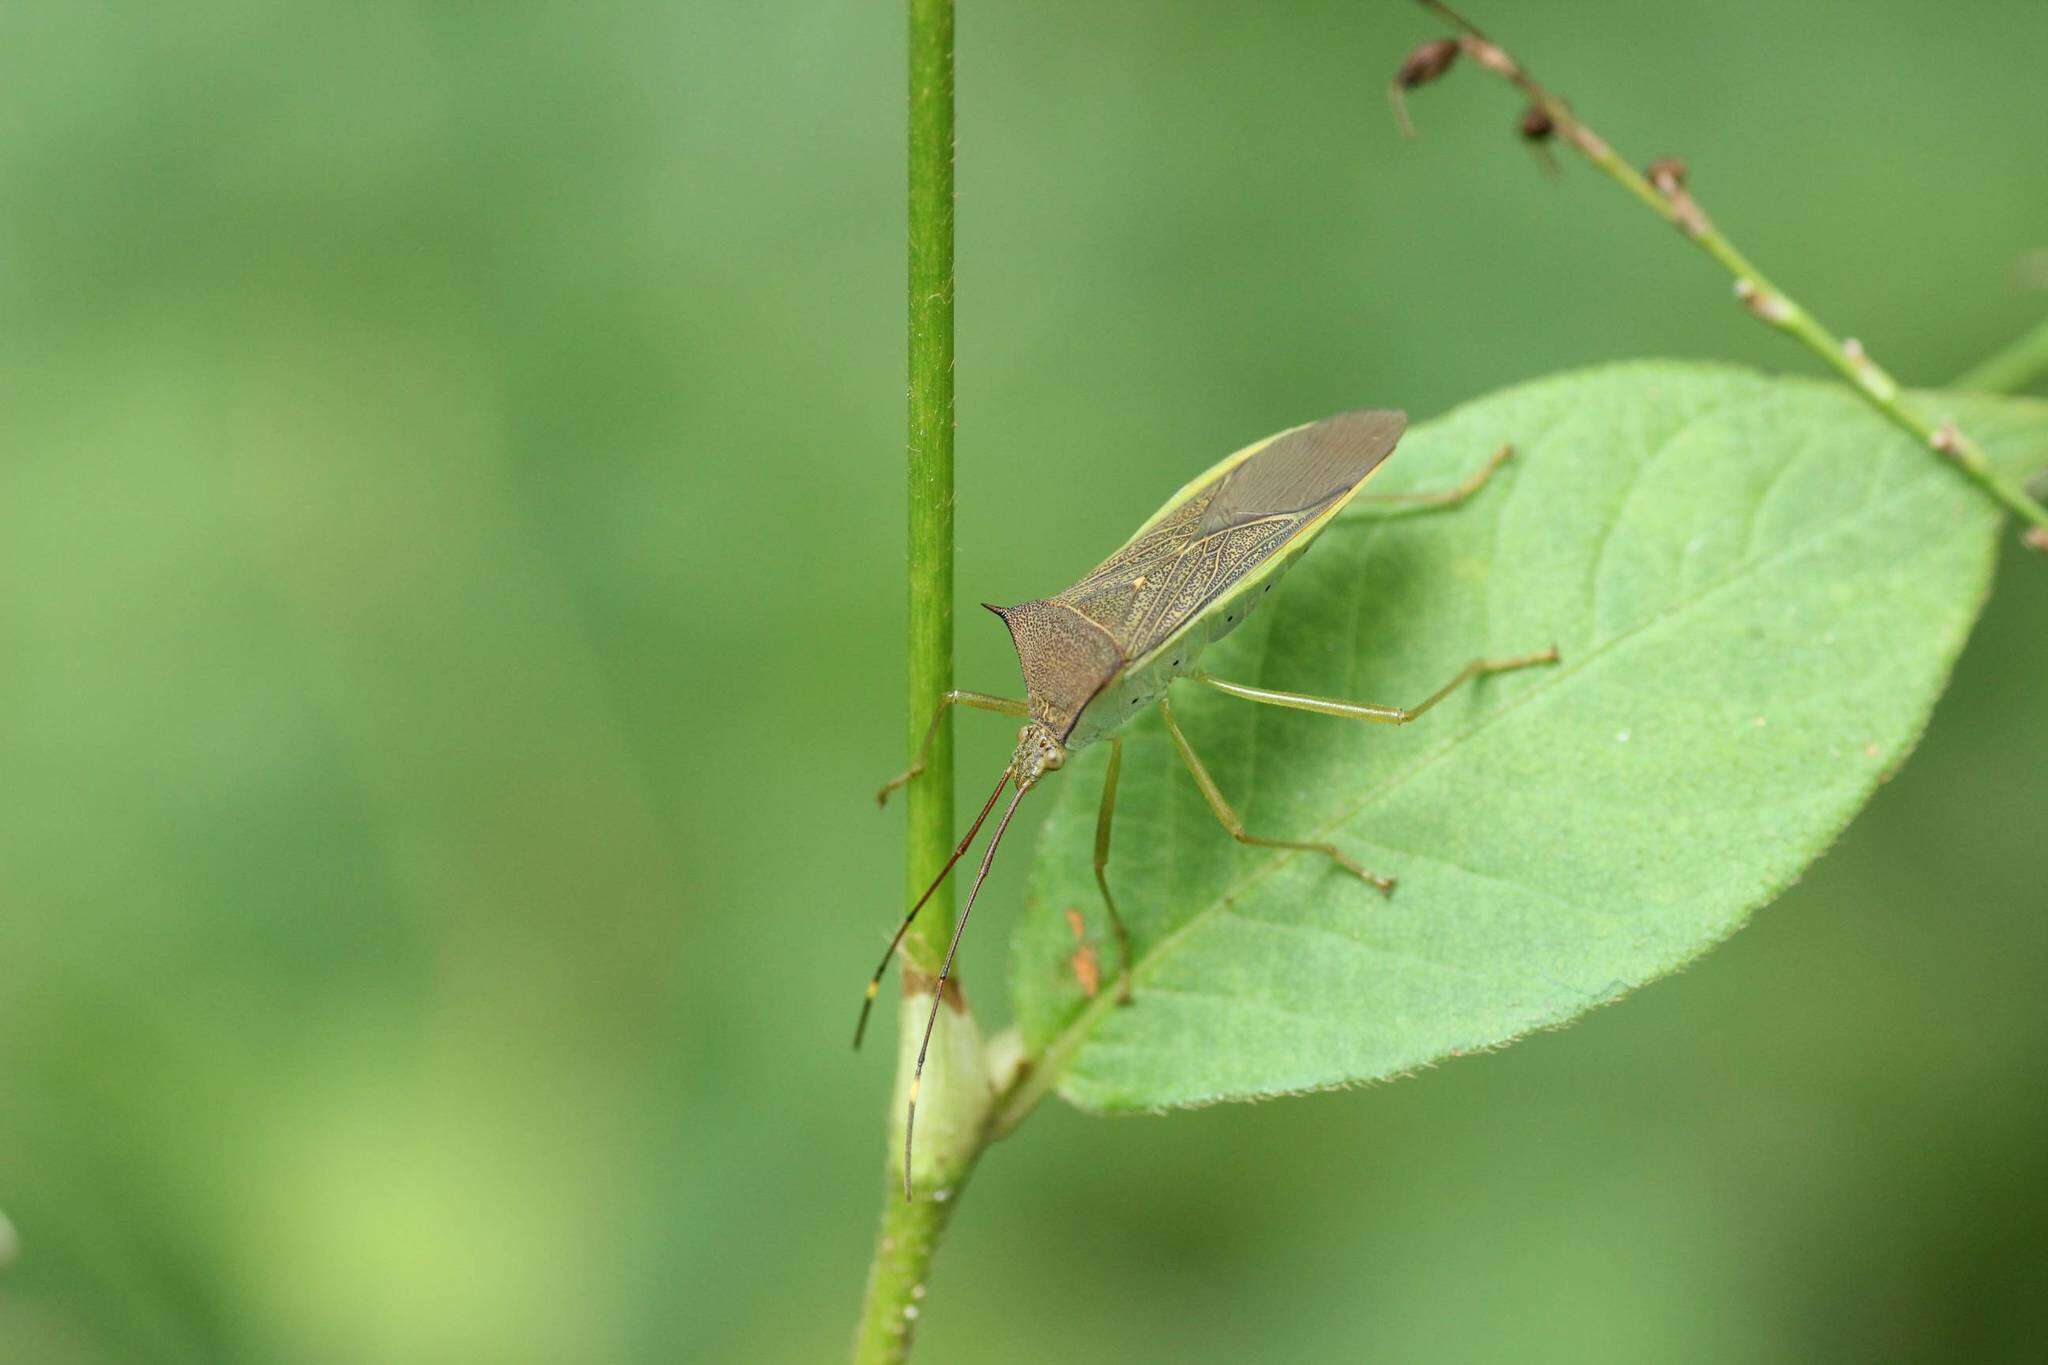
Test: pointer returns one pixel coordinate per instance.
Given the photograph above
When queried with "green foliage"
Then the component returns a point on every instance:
(1758, 587)
(453, 627)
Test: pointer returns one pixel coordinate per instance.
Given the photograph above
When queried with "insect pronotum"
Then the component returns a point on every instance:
(1099, 653)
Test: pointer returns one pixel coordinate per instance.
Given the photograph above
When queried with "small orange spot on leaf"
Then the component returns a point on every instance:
(1087, 969)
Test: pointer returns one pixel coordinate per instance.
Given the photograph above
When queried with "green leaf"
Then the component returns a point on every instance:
(1758, 587)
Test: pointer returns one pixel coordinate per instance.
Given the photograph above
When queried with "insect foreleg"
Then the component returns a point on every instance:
(1214, 796)
(1386, 715)
(1102, 823)
(980, 701)
(1448, 497)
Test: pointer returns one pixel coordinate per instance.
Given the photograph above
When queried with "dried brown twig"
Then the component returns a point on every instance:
(1663, 189)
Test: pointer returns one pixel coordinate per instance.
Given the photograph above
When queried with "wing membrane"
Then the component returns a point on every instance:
(1303, 470)
(1227, 524)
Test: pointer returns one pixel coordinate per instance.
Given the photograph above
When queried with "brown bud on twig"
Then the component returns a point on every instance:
(1667, 174)
(1420, 67)
(2036, 538)
(1869, 373)
(1426, 63)
(1494, 59)
(1770, 307)
(1948, 439)
(1537, 128)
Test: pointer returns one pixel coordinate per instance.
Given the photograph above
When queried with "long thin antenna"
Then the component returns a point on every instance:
(939, 991)
(875, 981)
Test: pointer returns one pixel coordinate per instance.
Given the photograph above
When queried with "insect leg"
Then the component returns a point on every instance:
(1102, 823)
(1386, 715)
(980, 701)
(1449, 497)
(1214, 796)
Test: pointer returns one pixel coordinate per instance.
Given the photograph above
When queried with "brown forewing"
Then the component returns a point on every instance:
(1073, 644)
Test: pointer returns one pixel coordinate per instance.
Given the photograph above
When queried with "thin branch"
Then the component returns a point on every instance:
(959, 1096)
(929, 800)
(911, 1231)
(1663, 191)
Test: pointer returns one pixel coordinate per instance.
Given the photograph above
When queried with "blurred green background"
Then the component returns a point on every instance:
(450, 617)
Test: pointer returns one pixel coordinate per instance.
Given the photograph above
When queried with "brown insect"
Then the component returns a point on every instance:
(1099, 653)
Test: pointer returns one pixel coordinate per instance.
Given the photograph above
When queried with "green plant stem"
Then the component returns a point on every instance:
(911, 1228)
(929, 800)
(2011, 369)
(1665, 193)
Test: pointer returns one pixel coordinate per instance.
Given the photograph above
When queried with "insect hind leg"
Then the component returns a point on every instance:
(1385, 715)
(1229, 817)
